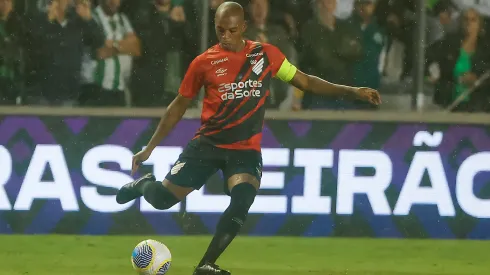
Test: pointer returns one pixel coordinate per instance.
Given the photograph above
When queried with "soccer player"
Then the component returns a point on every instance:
(236, 74)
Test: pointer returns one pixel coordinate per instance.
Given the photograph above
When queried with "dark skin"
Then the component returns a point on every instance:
(230, 26)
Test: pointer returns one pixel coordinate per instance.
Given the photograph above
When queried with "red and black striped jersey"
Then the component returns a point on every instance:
(236, 87)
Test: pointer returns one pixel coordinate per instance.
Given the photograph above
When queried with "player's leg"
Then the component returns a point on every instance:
(242, 187)
(160, 194)
(187, 175)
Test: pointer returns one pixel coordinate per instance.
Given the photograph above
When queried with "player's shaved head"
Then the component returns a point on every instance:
(230, 25)
(230, 9)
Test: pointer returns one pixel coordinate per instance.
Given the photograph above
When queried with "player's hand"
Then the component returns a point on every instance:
(370, 95)
(139, 158)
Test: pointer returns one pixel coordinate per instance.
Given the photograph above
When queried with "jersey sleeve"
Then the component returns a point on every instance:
(281, 67)
(193, 80)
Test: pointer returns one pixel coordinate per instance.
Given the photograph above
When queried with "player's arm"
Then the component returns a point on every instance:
(190, 86)
(172, 116)
(310, 83)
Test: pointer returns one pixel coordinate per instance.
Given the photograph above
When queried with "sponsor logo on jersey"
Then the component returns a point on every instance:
(254, 54)
(216, 62)
(237, 90)
(221, 72)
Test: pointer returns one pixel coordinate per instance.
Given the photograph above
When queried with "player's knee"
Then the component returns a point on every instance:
(160, 197)
(163, 204)
(242, 198)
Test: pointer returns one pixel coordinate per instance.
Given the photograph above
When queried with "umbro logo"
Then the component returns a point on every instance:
(258, 66)
(221, 72)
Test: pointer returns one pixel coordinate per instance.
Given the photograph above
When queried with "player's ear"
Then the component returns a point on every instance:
(244, 26)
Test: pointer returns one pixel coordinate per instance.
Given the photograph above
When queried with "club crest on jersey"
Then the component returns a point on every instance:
(177, 167)
(258, 66)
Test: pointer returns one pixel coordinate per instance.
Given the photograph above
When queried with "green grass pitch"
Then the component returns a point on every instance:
(110, 255)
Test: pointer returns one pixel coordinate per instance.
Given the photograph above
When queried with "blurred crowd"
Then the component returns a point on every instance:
(134, 53)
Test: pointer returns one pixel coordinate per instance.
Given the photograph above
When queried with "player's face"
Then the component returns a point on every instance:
(230, 30)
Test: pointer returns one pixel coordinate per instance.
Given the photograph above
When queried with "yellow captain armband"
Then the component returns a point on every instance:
(286, 71)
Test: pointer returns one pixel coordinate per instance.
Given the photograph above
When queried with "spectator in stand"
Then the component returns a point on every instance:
(482, 6)
(457, 61)
(280, 13)
(107, 71)
(54, 45)
(301, 11)
(262, 30)
(394, 17)
(329, 48)
(163, 30)
(441, 21)
(367, 71)
(10, 53)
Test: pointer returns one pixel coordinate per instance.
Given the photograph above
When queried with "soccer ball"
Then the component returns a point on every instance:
(151, 257)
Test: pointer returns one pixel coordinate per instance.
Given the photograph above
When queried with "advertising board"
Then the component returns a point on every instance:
(320, 178)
